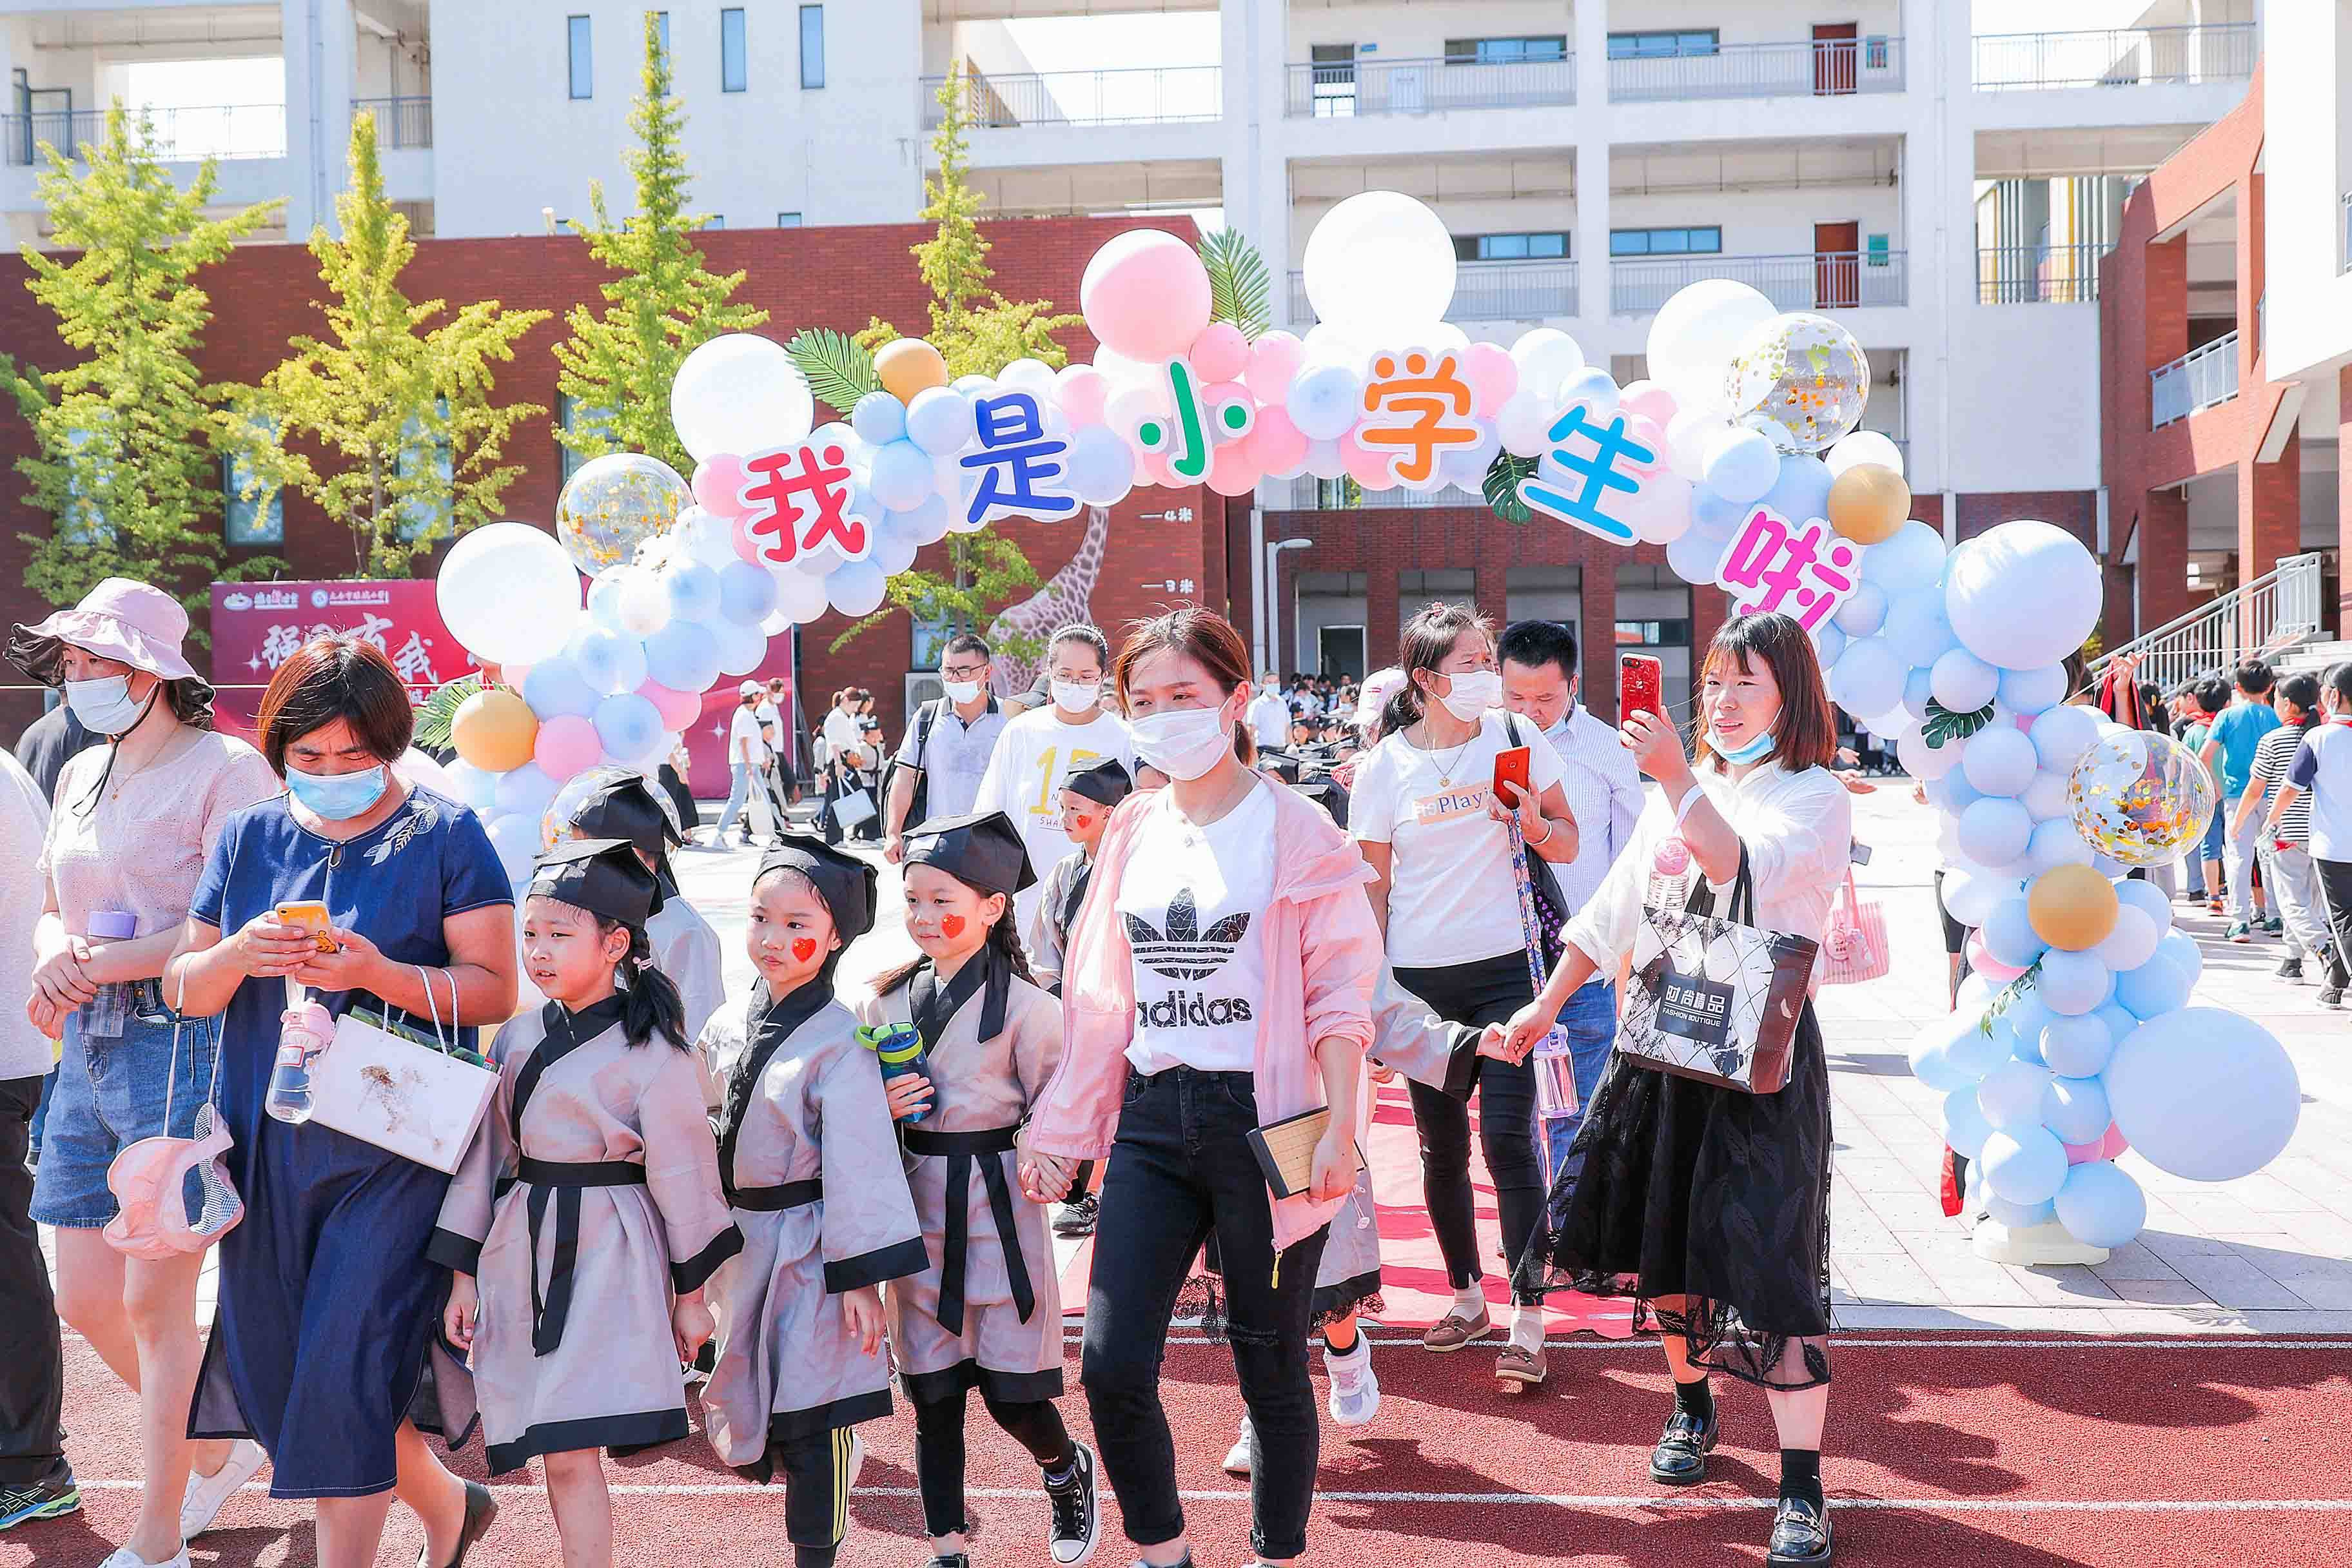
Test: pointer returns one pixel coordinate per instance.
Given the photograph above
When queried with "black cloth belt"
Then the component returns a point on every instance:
(959, 1150)
(773, 1200)
(562, 1181)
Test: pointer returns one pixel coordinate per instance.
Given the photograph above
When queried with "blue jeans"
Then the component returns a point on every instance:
(2209, 848)
(1590, 1021)
(111, 1093)
(746, 789)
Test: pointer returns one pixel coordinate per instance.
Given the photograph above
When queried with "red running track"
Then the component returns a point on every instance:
(2005, 1452)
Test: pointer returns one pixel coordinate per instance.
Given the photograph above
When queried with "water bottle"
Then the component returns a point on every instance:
(105, 1016)
(306, 1031)
(1557, 1106)
(1670, 879)
(899, 1048)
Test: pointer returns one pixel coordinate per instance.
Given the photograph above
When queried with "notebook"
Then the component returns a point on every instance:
(1286, 1151)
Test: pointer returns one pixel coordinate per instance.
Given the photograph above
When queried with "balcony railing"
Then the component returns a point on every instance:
(2196, 380)
(1488, 292)
(1339, 90)
(2255, 620)
(2038, 274)
(2117, 56)
(400, 122)
(1808, 281)
(1149, 95)
(181, 135)
(1308, 493)
(1825, 68)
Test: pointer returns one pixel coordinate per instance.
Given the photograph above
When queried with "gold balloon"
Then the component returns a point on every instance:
(494, 729)
(908, 366)
(2071, 907)
(1869, 503)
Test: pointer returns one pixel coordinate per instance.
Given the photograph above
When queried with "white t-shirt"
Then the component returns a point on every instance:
(1192, 900)
(1025, 776)
(25, 1051)
(1269, 718)
(2323, 768)
(842, 734)
(1452, 896)
(743, 743)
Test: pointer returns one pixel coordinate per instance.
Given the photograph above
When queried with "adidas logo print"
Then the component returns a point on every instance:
(1184, 952)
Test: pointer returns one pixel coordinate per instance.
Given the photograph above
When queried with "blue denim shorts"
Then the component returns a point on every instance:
(111, 1093)
(2214, 835)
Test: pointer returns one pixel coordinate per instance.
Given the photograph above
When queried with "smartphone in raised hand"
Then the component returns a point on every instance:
(1511, 767)
(1641, 686)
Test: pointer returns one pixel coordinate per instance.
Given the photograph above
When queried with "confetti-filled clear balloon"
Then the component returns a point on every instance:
(614, 505)
(1804, 373)
(2139, 796)
(555, 823)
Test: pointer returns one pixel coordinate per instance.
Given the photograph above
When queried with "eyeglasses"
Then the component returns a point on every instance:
(964, 672)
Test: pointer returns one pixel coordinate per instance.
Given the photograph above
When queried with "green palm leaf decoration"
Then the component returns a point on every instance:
(838, 371)
(1240, 287)
(433, 719)
(1503, 477)
(1941, 724)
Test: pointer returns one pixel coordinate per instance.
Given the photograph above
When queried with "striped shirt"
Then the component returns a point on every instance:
(2272, 759)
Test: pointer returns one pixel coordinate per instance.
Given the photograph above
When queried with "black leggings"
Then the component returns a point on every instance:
(1486, 991)
(1034, 1424)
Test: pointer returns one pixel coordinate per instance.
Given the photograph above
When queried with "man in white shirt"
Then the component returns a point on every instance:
(2323, 769)
(947, 745)
(1038, 748)
(1268, 715)
(747, 763)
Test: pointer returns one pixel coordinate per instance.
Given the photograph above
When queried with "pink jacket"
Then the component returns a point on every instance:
(1322, 966)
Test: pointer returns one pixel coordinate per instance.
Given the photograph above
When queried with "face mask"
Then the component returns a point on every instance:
(961, 691)
(1183, 745)
(104, 705)
(1755, 749)
(1077, 696)
(337, 796)
(1472, 693)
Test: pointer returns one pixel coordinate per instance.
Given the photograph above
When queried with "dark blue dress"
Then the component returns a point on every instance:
(328, 1306)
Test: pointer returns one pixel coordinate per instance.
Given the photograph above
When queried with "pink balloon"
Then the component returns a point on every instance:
(678, 709)
(1493, 377)
(1215, 396)
(1153, 467)
(1274, 359)
(1230, 473)
(1372, 469)
(1221, 353)
(1080, 390)
(1652, 438)
(2110, 1144)
(717, 481)
(745, 546)
(565, 744)
(2113, 1143)
(1649, 400)
(1276, 446)
(1145, 295)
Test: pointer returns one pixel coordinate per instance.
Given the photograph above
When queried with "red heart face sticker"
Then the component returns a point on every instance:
(803, 948)
(952, 925)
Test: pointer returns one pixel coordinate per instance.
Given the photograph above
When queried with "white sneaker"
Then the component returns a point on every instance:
(205, 1494)
(1355, 1396)
(856, 1461)
(1237, 1458)
(123, 1557)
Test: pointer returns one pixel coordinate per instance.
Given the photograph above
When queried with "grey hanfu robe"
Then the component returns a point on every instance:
(811, 1166)
(588, 1201)
(687, 948)
(987, 1314)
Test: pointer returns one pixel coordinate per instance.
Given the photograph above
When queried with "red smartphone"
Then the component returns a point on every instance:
(1511, 768)
(1641, 686)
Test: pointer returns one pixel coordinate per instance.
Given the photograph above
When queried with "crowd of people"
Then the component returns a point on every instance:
(1158, 915)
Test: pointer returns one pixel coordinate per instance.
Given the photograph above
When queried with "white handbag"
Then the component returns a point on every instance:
(409, 1098)
(854, 810)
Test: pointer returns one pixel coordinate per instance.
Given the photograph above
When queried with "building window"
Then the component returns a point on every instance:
(1505, 51)
(733, 73)
(1706, 241)
(788, 220)
(245, 521)
(716, 220)
(81, 522)
(661, 31)
(1416, 591)
(1663, 44)
(1877, 250)
(1548, 246)
(931, 635)
(811, 46)
(584, 73)
(1331, 68)
(1874, 52)
(575, 418)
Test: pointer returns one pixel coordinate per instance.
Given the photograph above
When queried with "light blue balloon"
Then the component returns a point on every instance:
(1958, 794)
(747, 594)
(1593, 387)
(928, 524)
(2100, 1205)
(2150, 901)
(2079, 1047)
(2204, 1093)
(2073, 983)
(682, 655)
(2117, 1017)
(1908, 559)
(1863, 612)
(1868, 677)
(2076, 1108)
(629, 724)
(604, 599)
(1829, 643)
(855, 587)
(2011, 1094)
(2027, 1165)
(1696, 554)
(1978, 1047)
(515, 838)
(1916, 629)
(608, 661)
(2028, 1048)
(2033, 690)
(1322, 400)
(693, 589)
(1994, 830)
(1741, 466)
(2029, 1014)
(878, 419)
(2180, 950)
(1716, 515)
(2155, 988)
(2009, 934)
(1999, 759)
(527, 790)
(1801, 491)
(1099, 467)
(1931, 1053)
(2018, 1217)
(741, 646)
(554, 687)
(939, 421)
(1963, 683)
(1964, 1127)
(902, 476)
(2056, 843)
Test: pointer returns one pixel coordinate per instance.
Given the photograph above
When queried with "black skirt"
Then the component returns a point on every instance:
(1708, 1194)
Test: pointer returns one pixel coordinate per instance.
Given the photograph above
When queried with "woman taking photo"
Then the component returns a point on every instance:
(1430, 827)
(1709, 1205)
(326, 1347)
(127, 839)
(1213, 987)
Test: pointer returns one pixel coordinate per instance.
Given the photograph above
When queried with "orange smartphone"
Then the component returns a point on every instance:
(311, 916)
(1641, 686)
(1511, 768)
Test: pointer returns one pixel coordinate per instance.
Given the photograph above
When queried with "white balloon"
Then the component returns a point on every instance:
(2023, 595)
(799, 596)
(1973, 894)
(2055, 843)
(2131, 942)
(1922, 761)
(643, 605)
(2045, 797)
(1695, 335)
(1687, 435)
(738, 393)
(1379, 257)
(509, 594)
(857, 588)
(1863, 447)
(1547, 358)
(1524, 425)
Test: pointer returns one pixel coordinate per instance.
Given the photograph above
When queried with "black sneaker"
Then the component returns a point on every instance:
(950, 1560)
(1801, 1535)
(2291, 969)
(1077, 1518)
(1077, 1215)
(2332, 997)
(52, 1498)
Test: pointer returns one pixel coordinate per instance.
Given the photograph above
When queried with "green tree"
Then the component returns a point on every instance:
(128, 447)
(662, 303)
(387, 425)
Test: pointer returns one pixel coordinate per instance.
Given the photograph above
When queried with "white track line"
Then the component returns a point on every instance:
(1074, 1334)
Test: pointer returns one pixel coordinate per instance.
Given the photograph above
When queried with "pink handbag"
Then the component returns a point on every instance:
(148, 1178)
(1854, 947)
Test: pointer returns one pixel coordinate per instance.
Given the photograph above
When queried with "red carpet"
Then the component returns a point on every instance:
(2000, 1451)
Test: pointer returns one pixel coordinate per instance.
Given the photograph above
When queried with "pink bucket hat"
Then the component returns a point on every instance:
(122, 619)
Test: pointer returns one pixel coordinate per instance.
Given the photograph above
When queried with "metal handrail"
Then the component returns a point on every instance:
(2254, 620)
(2116, 56)
(2198, 380)
(1803, 281)
(1528, 291)
(2039, 274)
(1308, 493)
(1141, 95)
(1821, 67)
(400, 122)
(181, 135)
(1342, 89)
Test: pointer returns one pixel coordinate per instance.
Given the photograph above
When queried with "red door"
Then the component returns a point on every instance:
(1837, 275)
(1835, 44)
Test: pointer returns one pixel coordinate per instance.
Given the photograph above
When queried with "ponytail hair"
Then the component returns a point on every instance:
(1428, 638)
(650, 1004)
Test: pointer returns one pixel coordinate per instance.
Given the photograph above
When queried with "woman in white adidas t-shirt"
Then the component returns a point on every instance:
(1424, 813)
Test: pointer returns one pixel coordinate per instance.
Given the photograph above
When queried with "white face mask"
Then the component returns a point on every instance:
(1183, 743)
(104, 705)
(1077, 696)
(1472, 693)
(960, 691)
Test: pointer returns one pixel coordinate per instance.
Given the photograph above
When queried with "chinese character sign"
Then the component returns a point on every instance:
(1020, 466)
(1589, 455)
(1183, 435)
(1416, 409)
(1805, 571)
(258, 627)
(799, 502)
